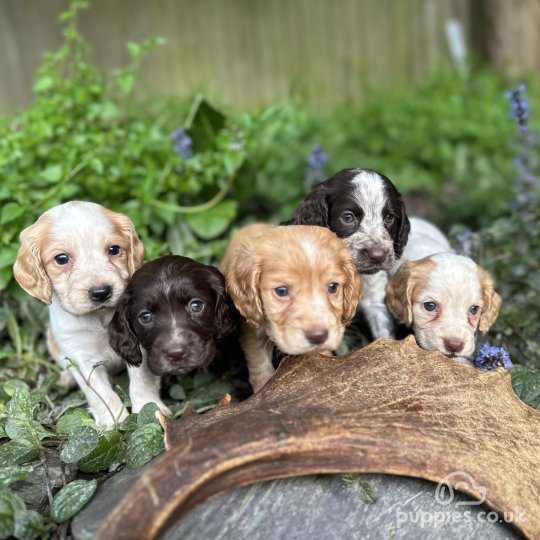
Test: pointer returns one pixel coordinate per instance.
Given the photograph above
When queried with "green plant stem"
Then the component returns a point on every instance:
(217, 198)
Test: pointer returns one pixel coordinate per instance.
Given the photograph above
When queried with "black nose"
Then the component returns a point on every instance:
(376, 255)
(176, 353)
(453, 344)
(316, 335)
(100, 294)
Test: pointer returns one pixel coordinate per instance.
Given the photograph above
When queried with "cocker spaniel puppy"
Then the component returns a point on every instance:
(445, 298)
(296, 287)
(77, 258)
(365, 209)
(170, 318)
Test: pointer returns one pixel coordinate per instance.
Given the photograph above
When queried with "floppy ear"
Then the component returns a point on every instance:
(352, 290)
(313, 210)
(242, 280)
(403, 229)
(122, 338)
(28, 269)
(399, 294)
(226, 314)
(135, 250)
(492, 301)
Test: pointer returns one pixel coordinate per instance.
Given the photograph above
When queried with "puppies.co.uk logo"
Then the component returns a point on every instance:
(445, 495)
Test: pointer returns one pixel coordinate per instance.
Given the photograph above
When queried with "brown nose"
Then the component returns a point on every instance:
(376, 255)
(176, 353)
(316, 335)
(453, 344)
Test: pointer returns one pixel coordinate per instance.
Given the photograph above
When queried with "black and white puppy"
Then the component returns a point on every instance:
(365, 209)
(170, 318)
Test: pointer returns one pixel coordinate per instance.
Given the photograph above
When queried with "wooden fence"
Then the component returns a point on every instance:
(245, 52)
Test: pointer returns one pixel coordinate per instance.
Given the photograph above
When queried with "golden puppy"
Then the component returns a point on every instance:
(445, 298)
(77, 258)
(296, 286)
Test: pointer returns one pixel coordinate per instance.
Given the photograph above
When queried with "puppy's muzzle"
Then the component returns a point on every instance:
(316, 335)
(100, 294)
(176, 353)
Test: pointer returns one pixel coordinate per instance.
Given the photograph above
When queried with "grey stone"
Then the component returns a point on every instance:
(316, 507)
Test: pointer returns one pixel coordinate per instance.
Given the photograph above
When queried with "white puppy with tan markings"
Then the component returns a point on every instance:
(445, 298)
(77, 257)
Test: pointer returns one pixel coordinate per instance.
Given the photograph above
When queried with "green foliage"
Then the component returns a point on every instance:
(526, 384)
(363, 488)
(71, 498)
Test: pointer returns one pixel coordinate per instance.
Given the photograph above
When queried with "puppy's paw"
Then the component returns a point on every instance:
(66, 379)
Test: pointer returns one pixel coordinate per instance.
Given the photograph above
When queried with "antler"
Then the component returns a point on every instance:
(388, 408)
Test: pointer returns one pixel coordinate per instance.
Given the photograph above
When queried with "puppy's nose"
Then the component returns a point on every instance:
(177, 353)
(100, 294)
(316, 335)
(453, 344)
(376, 255)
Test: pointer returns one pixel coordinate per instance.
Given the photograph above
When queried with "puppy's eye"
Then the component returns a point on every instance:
(114, 249)
(430, 306)
(61, 259)
(145, 317)
(389, 219)
(333, 288)
(196, 305)
(282, 292)
(347, 217)
(473, 310)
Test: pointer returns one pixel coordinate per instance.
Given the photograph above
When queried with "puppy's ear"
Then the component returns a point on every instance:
(313, 210)
(352, 290)
(28, 269)
(403, 229)
(226, 314)
(122, 338)
(492, 301)
(399, 294)
(242, 280)
(135, 250)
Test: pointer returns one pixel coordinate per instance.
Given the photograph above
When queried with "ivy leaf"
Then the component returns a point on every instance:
(82, 440)
(71, 499)
(13, 473)
(29, 525)
(211, 223)
(17, 452)
(526, 384)
(109, 450)
(9, 505)
(144, 443)
(147, 415)
(72, 419)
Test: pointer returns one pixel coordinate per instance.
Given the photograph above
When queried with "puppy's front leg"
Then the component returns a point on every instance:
(104, 403)
(257, 349)
(144, 388)
(372, 304)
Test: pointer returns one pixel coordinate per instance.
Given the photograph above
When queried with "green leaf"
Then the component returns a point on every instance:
(9, 505)
(213, 222)
(44, 83)
(177, 392)
(19, 427)
(144, 444)
(13, 473)
(82, 440)
(17, 452)
(10, 212)
(110, 449)
(203, 124)
(51, 174)
(71, 499)
(72, 419)
(147, 415)
(526, 384)
(29, 525)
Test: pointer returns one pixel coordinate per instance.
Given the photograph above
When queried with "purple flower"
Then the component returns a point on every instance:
(491, 357)
(315, 166)
(519, 106)
(183, 143)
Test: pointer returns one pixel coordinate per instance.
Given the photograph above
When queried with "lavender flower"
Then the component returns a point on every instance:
(316, 162)
(183, 143)
(519, 106)
(491, 357)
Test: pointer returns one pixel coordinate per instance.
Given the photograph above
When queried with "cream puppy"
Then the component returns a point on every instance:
(77, 258)
(445, 298)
